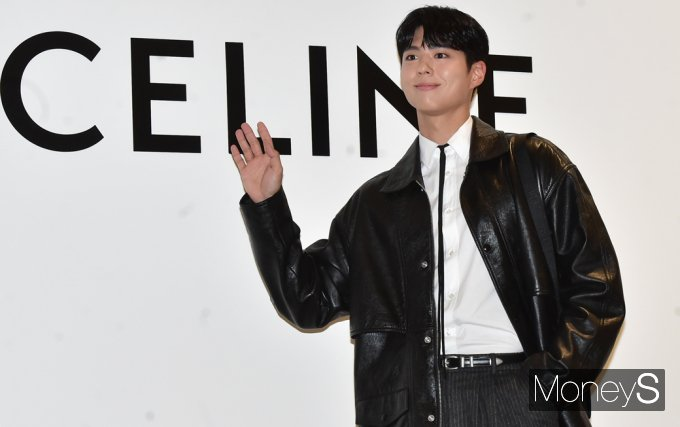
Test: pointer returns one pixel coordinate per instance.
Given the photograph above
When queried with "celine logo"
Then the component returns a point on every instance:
(371, 79)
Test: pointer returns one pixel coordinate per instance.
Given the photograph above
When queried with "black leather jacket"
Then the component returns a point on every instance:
(376, 266)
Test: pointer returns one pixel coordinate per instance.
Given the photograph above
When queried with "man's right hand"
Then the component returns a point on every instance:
(261, 172)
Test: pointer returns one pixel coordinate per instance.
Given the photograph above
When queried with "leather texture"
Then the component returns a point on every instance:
(377, 266)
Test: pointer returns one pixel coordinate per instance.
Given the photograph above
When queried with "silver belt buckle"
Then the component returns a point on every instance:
(459, 361)
(464, 361)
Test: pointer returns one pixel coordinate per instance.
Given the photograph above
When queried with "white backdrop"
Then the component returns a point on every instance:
(128, 295)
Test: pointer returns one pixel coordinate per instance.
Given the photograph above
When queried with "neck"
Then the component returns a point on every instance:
(440, 128)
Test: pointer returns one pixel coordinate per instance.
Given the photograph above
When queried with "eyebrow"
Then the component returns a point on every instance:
(419, 48)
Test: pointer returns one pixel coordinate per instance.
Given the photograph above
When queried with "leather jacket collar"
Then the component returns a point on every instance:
(486, 143)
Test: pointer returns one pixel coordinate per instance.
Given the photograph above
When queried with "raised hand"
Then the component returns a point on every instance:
(261, 172)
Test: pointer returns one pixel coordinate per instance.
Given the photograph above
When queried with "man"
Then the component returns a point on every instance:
(453, 211)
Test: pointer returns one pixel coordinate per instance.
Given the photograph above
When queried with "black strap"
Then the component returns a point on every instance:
(530, 184)
(440, 251)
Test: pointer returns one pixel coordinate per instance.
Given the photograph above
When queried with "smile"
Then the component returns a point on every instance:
(427, 86)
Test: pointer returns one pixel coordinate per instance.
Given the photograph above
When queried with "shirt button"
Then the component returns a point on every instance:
(486, 248)
(430, 418)
(427, 339)
(423, 264)
(448, 210)
(452, 295)
(447, 173)
(451, 252)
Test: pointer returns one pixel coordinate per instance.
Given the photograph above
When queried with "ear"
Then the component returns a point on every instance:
(477, 74)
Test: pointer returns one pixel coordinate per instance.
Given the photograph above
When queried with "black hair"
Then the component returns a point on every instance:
(445, 27)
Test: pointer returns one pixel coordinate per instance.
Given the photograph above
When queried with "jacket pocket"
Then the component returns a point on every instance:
(382, 410)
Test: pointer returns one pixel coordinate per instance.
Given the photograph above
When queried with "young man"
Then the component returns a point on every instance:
(439, 261)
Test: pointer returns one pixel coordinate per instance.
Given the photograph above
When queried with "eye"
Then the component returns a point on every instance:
(441, 55)
(409, 57)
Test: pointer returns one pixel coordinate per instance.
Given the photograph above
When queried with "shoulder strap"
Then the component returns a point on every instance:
(536, 206)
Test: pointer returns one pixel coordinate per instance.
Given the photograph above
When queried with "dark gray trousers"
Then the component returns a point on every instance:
(490, 397)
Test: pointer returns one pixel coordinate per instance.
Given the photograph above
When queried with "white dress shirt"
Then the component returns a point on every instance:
(475, 321)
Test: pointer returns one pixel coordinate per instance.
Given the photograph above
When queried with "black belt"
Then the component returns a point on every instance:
(457, 361)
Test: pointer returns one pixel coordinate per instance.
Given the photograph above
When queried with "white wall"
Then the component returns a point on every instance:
(128, 295)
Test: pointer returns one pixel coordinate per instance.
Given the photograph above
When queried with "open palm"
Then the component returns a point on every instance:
(261, 172)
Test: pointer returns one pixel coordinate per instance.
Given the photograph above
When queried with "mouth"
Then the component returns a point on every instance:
(427, 86)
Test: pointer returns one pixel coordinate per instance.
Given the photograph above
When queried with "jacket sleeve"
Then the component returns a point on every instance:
(590, 293)
(307, 287)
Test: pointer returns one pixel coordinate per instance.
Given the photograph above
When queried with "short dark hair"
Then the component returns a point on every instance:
(445, 27)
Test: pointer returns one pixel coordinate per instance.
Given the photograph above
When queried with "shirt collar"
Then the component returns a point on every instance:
(485, 143)
(459, 142)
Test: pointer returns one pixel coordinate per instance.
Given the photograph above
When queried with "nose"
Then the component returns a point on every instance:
(424, 66)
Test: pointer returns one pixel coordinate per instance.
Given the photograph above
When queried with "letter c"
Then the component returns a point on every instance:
(10, 91)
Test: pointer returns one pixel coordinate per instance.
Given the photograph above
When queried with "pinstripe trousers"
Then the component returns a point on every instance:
(490, 397)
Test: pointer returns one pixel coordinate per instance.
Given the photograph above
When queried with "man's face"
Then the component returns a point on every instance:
(436, 80)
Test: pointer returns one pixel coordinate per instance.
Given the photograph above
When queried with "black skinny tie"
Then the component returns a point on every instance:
(440, 255)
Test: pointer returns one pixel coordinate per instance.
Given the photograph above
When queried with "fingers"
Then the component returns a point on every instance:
(236, 156)
(243, 144)
(267, 140)
(250, 145)
(252, 140)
